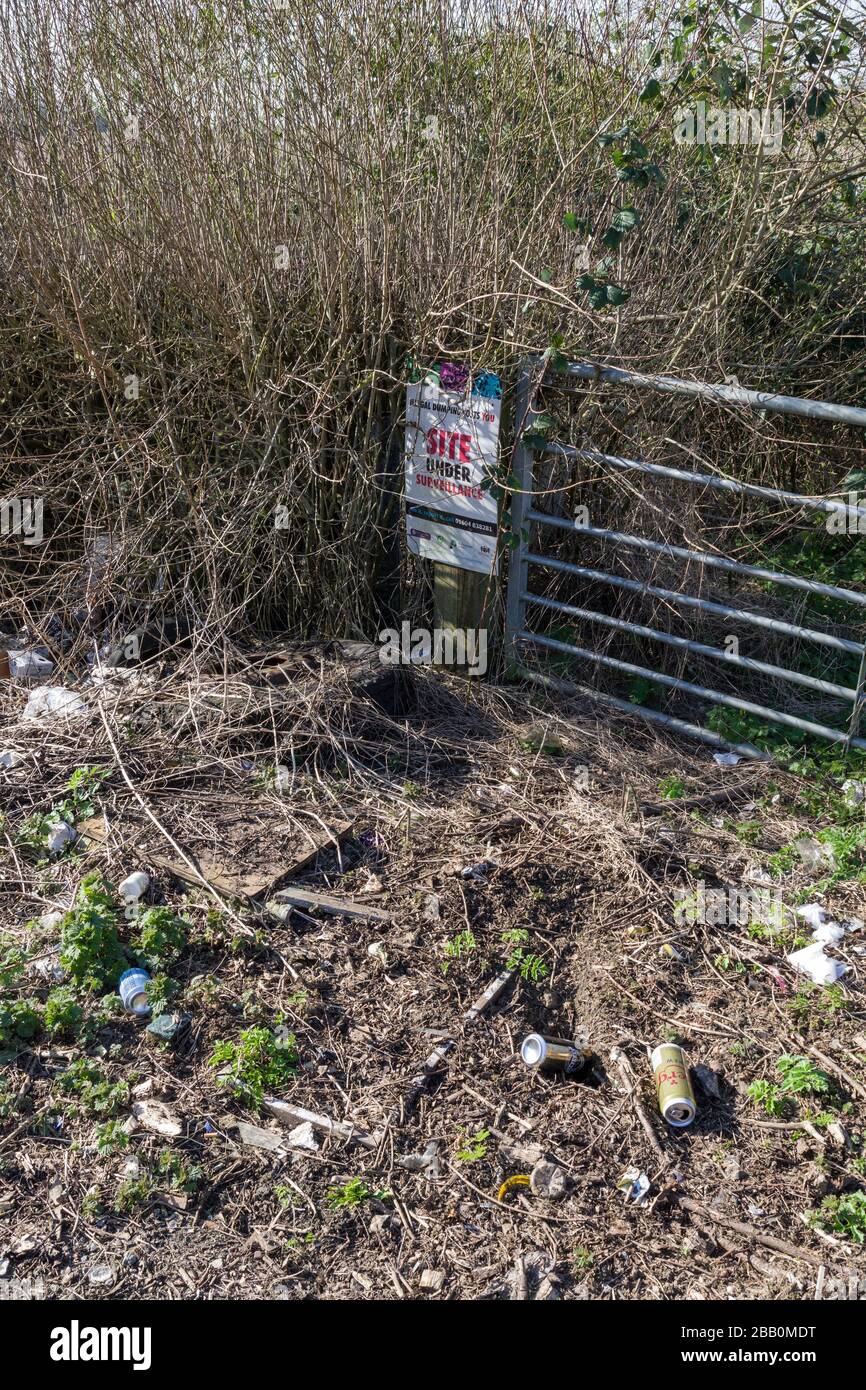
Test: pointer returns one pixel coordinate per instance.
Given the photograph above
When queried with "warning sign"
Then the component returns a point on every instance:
(452, 438)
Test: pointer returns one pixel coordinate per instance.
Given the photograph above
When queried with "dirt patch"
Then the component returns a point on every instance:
(583, 843)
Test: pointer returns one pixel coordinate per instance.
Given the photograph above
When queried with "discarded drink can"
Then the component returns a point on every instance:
(545, 1054)
(132, 987)
(674, 1089)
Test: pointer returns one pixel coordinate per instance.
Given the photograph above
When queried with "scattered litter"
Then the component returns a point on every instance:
(169, 1028)
(60, 834)
(144, 1088)
(674, 1089)
(549, 1180)
(432, 908)
(511, 1155)
(48, 967)
(671, 952)
(153, 1115)
(373, 885)
(303, 1137)
(708, 1080)
(635, 1185)
(545, 1054)
(377, 950)
(754, 1210)
(854, 793)
(132, 988)
(432, 1280)
(134, 887)
(54, 701)
(256, 1137)
(813, 961)
(829, 933)
(479, 870)
(10, 758)
(726, 759)
(282, 778)
(518, 1180)
(101, 1275)
(287, 899)
(814, 855)
(813, 913)
(25, 666)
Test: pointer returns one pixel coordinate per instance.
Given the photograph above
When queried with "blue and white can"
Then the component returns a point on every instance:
(132, 987)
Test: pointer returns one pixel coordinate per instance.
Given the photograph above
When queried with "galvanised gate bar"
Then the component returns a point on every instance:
(529, 555)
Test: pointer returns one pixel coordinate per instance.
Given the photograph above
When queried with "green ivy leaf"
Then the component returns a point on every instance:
(651, 91)
(626, 219)
(617, 295)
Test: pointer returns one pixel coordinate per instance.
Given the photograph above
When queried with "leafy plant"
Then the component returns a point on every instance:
(672, 788)
(111, 1137)
(474, 1147)
(95, 1094)
(529, 966)
(799, 1076)
(160, 991)
(63, 1014)
(845, 1215)
(20, 1021)
(351, 1194)
(460, 945)
(258, 1063)
(90, 949)
(180, 1176)
(160, 936)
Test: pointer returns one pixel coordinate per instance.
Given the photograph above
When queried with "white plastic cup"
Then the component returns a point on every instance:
(132, 987)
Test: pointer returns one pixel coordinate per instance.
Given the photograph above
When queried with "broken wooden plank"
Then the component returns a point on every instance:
(231, 884)
(307, 900)
(258, 1138)
(294, 1115)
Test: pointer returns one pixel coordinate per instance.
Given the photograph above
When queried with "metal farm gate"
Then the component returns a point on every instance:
(532, 524)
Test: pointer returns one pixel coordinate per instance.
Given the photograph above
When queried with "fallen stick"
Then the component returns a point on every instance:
(618, 1056)
(828, 1062)
(290, 898)
(782, 1247)
(440, 1053)
(294, 1115)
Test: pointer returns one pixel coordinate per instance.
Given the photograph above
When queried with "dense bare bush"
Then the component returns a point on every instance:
(226, 227)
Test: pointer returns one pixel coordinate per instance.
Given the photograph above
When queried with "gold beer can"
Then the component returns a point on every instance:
(673, 1086)
(541, 1053)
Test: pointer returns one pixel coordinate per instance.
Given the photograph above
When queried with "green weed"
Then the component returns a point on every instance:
(845, 1216)
(474, 1147)
(259, 1063)
(90, 949)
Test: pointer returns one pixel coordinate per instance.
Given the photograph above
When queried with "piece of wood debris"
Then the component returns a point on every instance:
(286, 899)
(153, 1115)
(258, 1138)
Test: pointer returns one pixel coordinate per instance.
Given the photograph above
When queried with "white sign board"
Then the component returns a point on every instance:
(452, 439)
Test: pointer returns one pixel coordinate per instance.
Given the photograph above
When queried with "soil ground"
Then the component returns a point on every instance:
(564, 805)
